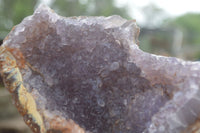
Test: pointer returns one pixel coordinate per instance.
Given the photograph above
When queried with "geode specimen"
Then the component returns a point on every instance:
(87, 75)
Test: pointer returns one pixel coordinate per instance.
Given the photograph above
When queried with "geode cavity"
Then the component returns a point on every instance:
(87, 74)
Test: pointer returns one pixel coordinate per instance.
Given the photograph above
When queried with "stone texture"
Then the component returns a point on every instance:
(87, 75)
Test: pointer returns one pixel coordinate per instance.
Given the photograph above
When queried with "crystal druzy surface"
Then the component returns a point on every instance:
(87, 74)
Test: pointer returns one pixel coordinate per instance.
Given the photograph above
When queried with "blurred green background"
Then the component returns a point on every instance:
(160, 34)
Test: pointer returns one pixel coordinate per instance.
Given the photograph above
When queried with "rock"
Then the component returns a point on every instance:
(87, 75)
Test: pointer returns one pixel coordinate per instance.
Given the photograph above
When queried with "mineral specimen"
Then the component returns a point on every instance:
(87, 75)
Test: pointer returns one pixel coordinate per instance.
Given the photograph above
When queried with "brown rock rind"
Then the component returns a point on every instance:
(25, 102)
(23, 99)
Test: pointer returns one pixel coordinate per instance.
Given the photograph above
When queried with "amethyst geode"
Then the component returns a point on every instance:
(89, 70)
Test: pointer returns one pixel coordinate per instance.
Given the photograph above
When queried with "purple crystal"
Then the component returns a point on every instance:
(90, 70)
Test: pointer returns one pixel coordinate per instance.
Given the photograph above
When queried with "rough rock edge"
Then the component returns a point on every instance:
(180, 112)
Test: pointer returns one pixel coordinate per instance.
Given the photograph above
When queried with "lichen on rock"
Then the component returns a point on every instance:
(87, 75)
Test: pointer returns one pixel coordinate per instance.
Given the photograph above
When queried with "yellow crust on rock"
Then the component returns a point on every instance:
(24, 101)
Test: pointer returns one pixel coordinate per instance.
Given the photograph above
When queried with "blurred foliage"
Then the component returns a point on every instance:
(189, 24)
(153, 38)
(157, 41)
(153, 30)
(178, 36)
(89, 8)
(12, 12)
(153, 16)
